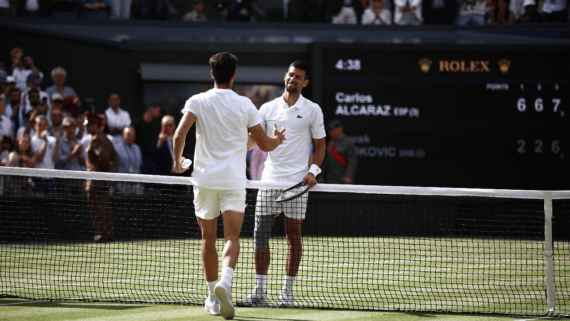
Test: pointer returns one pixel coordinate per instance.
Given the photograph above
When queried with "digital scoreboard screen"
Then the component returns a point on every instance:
(451, 116)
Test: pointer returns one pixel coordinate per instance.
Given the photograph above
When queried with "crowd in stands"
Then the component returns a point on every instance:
(49, 128)
(366, 12)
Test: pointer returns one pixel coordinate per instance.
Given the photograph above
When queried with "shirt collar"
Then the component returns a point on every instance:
(298, 104)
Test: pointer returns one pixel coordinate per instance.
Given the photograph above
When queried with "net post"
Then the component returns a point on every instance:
(548, 252)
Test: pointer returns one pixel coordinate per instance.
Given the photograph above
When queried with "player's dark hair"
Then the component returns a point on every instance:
(223, 66)
(300, 64)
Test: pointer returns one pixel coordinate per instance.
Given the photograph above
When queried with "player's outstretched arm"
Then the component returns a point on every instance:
(265, 142)
(180, 138)
(250, 142)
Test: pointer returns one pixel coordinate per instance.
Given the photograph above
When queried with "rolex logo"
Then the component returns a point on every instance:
(504, 65)
(425, 64)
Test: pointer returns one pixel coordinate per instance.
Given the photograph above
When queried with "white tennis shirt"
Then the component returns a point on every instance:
(222, 122)
(303, 122)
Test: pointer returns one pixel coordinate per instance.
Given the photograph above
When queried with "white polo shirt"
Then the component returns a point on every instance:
(303, 122)
(37, 144)
(119, 119)
(222, 122)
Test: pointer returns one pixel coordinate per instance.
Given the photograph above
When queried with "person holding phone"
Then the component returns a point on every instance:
(161, 147)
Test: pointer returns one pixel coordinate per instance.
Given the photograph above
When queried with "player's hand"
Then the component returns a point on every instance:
(279, 135)
(178, 165)
(310, 179)
(346, 180)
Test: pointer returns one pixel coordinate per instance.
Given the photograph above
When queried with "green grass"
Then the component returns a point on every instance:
(413, 274)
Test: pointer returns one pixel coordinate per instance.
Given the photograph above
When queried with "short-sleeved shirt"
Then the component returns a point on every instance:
(303, 122)
(473, 7)
(222, 122)
(130, 157)
(119, 119)
(37, 144)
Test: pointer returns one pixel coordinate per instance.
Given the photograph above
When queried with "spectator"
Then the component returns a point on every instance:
(147, 127)
(376, 14)
(162, 148)
(22, 155)
(19, 73)
(439, 12)
(59, 75)
(5, 122)
(344, 11)
(13, 108)
(472, 12)
(94, 9)
(530, 15)
(102, 157)
(152, 9)
(32, 8)
(408, 12)
(36, 107)
(257, 164)
(501, 14)
(239, 10)
(121, 9)
(102, 128)
(57, 102)
(10, 83)
(47, 150)
(302, 11)
(117, 119)
(130, 157)
(34, 82)
(57, 123)
(89, 106)
(341, 161)
(70, 150)
(517, 7)
(3, 83)
(222, 8)
(196, 15)
(5, 149)
(555, 11)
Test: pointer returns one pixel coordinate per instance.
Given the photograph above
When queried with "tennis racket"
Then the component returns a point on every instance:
(292, 193)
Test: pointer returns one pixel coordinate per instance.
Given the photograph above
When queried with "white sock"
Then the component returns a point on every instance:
(227, 275)
(211, 286)
(261, 282)
(289, 280)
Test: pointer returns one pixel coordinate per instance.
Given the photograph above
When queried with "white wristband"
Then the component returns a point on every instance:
(315, 170)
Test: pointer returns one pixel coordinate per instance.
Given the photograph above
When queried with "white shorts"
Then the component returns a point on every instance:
(295, 209)
(209, 202)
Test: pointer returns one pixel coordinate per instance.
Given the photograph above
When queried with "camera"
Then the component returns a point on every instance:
(43, 101)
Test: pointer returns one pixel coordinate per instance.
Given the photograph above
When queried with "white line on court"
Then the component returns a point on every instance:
(27, 302)
(535, 319)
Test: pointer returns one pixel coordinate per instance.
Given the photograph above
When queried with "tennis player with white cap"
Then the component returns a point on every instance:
(288, 163)
(222, 121)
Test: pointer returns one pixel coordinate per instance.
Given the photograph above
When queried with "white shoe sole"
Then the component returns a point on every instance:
(227, 310)
(212, 311)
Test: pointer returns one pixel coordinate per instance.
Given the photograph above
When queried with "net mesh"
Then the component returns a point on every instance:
(361, 251)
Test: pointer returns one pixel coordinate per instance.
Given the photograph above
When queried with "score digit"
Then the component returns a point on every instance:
(521, 104)
(339, 65)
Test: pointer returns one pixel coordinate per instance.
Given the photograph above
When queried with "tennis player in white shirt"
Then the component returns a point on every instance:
(287, 163)
(222, 121)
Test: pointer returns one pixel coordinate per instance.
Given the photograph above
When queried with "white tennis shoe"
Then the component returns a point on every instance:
(224, 294)
(286, 299)
(212, 306)
(257, 299)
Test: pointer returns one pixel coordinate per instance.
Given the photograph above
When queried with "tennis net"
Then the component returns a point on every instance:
(364, 247)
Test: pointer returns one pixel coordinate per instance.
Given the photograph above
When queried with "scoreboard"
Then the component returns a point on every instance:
(453, 115)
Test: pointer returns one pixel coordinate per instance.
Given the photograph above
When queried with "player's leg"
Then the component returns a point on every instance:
(232, 204)
(264, 218)
(207, 212)
(294, 211)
